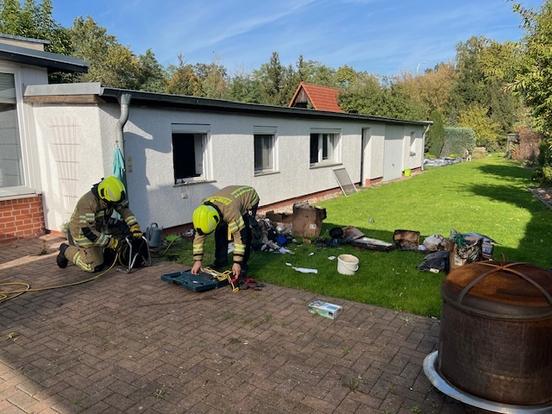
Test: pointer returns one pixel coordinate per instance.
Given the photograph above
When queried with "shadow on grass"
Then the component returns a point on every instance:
(507, 171)
(534, 246)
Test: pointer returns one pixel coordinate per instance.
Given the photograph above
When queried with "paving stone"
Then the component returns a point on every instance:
(134, 344)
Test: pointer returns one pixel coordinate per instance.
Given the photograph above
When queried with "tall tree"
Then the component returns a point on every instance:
(152, 76)
(534, 78)
(182, 79)
(10, 17)
(110, 62)
(271, 77)
(243, 88)
(486, 130)
(432, 89)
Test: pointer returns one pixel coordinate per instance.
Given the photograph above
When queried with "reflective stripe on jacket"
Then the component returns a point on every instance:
(233, 203)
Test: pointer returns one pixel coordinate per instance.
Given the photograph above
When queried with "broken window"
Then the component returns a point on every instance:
(264, 152)
(188, 156)
(323, 148)
(10, 145)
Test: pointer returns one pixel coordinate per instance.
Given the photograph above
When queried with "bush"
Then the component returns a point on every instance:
(436, 135)
(543, 173)
(458, 140)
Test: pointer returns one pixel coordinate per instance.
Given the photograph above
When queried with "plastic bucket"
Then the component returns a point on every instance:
(347, 264)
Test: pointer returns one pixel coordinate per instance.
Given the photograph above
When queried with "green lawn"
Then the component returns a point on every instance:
(487, 196)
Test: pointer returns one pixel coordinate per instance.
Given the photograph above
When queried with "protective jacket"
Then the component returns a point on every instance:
(89, 220)
(232, 203)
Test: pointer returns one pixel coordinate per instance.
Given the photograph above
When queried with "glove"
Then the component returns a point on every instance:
(135, 231)
(113, 243)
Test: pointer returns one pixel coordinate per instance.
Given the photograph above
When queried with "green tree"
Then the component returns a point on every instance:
(213, 80)
(183, 80)
(110, 62)
(435, 137)
(10, 17)
(243, 88)
(534, 78)
(271, 77)
(368, 96)
(484, 69)
(345, 76)
(152, 76)
(486, 129)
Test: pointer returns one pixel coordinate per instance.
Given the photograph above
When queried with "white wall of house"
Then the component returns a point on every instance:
(70, 156)
(75, 145)
(148, 148)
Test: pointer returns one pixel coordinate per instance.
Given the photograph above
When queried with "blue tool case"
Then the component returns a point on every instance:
(196, 283)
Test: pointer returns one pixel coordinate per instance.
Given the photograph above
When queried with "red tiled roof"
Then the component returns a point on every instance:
(322, 98)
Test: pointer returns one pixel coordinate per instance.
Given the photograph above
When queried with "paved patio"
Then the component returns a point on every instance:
(134, 344)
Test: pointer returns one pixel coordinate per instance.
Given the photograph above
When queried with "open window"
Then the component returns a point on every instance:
(11, 171)
(264, 153)
(189, 157)
(324, 148)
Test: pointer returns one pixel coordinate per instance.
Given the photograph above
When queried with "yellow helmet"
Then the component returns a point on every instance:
(205, 219)
(111, 189)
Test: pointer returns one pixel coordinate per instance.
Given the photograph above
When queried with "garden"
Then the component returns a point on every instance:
(489, 196)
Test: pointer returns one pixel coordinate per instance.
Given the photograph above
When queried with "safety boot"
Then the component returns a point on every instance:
(61, 259)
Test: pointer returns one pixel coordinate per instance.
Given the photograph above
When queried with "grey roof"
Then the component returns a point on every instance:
(202, 104)
(52, 61)
(218, 105)
(24, 39)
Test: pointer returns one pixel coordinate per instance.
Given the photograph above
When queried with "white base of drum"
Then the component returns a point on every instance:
(439, 382)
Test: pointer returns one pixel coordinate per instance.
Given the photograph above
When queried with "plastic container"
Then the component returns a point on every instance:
(347, 264)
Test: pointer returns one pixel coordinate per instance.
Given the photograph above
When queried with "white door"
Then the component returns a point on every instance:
(393, 153)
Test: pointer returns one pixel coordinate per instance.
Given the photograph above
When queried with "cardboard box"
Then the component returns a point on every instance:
(307, 220)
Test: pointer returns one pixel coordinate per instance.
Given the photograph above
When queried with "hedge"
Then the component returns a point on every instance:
(457, 141)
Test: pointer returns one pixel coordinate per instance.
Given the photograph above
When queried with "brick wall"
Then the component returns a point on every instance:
(21, 218)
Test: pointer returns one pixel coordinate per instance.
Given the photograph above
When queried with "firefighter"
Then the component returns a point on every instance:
(230, 211)
(87, 228)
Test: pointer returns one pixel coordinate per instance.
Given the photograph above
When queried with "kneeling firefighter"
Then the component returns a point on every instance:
(231, 211)
(90, 220)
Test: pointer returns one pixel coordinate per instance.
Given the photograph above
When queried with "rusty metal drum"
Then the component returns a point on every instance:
(496, 332)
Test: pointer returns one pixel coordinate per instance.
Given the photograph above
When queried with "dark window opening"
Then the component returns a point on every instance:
(313, 148)
(188, 152)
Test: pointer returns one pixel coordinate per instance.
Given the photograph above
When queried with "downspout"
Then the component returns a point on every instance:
(124, 101)
(423, 143)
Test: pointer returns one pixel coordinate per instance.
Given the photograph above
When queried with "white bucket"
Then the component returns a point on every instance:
(347, 264)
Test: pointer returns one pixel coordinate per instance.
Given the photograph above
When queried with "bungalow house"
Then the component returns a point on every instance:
(56, 140)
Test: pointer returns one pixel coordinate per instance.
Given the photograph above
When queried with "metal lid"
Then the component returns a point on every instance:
(500, 290)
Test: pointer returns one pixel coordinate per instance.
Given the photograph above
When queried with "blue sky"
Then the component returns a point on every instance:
(380, 36)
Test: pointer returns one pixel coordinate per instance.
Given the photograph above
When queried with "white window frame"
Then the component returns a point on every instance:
(24, 188)
(205, 131)
(267, 130)
(336, 149)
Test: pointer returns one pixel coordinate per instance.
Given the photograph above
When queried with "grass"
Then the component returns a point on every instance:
(487, 196)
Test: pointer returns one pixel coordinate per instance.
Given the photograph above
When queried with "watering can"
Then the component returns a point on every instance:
(153, 235)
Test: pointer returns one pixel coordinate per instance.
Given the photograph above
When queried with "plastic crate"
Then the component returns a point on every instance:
(196, 283)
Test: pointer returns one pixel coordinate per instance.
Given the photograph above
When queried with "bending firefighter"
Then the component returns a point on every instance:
(90, 220)
(229, 211)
